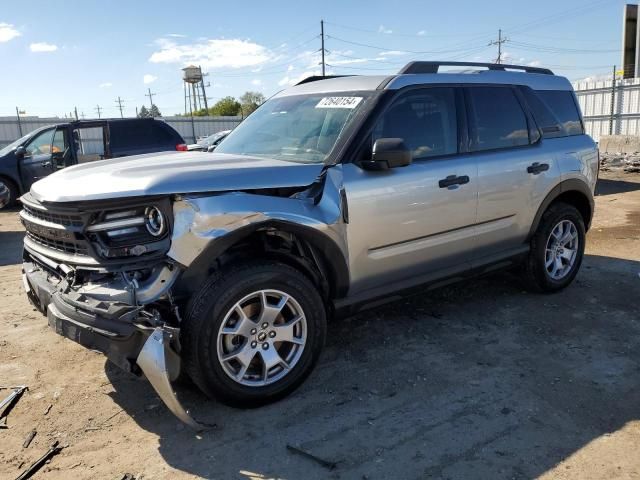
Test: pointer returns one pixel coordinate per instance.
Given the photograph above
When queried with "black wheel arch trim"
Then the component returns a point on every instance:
(333, 258)
(570, 185)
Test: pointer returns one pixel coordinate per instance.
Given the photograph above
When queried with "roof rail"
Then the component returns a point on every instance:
(433, 67)
(315, 78)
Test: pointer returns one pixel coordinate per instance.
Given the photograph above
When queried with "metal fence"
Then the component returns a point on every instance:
(608, 109)
(11, 129)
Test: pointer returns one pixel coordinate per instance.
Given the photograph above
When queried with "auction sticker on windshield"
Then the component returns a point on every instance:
(339, 102)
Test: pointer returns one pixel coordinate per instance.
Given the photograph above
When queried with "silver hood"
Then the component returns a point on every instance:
(170, 173)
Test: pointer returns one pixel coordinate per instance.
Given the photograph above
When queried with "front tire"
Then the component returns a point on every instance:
(557, 248)
(253, 333)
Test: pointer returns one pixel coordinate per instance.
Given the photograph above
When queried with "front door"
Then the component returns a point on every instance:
(37, 162)
(412, 221)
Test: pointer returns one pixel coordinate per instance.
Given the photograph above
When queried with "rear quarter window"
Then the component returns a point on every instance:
(563, 106)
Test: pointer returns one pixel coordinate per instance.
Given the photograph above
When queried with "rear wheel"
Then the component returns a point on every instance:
(253, 333)
(557, 249)
(13, 192)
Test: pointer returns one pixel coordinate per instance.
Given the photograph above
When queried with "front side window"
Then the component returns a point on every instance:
(425, 119)
(497, 119)
(300, 128)
(41, 144)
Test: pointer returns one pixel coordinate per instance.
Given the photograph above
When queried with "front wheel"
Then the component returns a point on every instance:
(253, 333)
(557, 249)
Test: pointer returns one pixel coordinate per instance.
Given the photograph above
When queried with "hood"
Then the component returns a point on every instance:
(170, 173)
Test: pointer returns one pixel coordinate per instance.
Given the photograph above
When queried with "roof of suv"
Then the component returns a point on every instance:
(536, 78)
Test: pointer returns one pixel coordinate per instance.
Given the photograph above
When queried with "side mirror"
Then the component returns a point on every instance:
(20, 152)
(388, 153)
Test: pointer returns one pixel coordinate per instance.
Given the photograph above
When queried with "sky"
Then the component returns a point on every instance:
(57, 56)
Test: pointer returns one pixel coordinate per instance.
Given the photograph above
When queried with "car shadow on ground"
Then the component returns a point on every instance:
(612, 187)
(479, 380)
(10, 248)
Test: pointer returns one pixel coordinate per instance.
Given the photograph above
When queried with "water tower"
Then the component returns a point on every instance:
(195, 97)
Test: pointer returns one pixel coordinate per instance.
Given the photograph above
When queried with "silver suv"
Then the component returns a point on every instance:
(335, 194)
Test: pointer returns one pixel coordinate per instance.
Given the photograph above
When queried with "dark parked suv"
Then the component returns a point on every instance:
(47, 149)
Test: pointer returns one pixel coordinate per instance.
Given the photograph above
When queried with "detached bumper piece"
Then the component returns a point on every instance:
(111, 328)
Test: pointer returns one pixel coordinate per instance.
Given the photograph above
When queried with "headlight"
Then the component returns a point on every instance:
(154, 221)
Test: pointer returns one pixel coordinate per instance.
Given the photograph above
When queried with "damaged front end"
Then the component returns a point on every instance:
(102, 278)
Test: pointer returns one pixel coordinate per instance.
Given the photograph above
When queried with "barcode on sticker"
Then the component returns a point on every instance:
(339, 102)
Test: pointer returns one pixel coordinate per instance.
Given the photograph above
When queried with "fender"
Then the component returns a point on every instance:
(207, 226)
(571, 185)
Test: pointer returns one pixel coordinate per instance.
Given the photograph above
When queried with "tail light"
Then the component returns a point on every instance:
(181, 147)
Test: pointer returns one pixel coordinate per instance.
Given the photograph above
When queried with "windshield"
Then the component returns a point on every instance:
(301, 128)
(14, 145)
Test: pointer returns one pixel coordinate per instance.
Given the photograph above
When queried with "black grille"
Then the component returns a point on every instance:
(57, 218)
(73, 248)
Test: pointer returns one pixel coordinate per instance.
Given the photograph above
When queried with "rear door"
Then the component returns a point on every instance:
(514, 169)
(413, 221)
(37, 162)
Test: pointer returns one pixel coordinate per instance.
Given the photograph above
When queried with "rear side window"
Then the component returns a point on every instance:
(425, 119)
(563, 106)
(546, 120)
(140, 134)
(497, 119)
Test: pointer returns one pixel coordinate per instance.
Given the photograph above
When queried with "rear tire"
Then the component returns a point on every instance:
(557, 248)
(14, 193)
(253, 333)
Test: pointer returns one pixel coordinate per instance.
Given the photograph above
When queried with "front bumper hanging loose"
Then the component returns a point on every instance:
(152, 360)
(101, 326)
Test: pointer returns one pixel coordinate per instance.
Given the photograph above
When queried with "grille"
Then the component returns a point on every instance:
(59, 245)
(60, 219)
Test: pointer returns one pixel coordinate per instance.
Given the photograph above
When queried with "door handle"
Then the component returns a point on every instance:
(537, 168)
(47, 163)
(453, 180)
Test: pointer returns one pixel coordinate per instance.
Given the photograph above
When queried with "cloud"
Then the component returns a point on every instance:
(293, 79)
(534, 63)
(257, 82)
(148, 78)
(43, 47)
(392, 53)
(381, 29)
(233, 53)
(8, 32)
(175, 35)
(106, 85)
(421, 33)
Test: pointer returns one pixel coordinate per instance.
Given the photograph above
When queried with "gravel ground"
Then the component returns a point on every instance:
(479, 380)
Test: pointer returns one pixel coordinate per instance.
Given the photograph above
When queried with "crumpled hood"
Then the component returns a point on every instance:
(170, 173)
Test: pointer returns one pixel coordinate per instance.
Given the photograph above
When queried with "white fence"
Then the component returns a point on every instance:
(601, 117)
(11, 129)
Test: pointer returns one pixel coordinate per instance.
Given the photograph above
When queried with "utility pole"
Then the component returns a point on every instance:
(75, 110)
(19, 122)
(322, 42)
(99, 110)
(119, 102)
(82, 115)
(150, 95)
(613, 101)
(499, 43)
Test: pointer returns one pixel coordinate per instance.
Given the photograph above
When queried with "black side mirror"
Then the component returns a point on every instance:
(20, 152)
(388, 153)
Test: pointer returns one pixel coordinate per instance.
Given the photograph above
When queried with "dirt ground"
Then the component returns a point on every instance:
(479, 380)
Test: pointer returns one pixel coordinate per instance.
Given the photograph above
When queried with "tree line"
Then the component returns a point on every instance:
(225, 107)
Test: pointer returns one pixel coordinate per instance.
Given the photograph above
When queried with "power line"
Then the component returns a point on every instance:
(120, 106)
